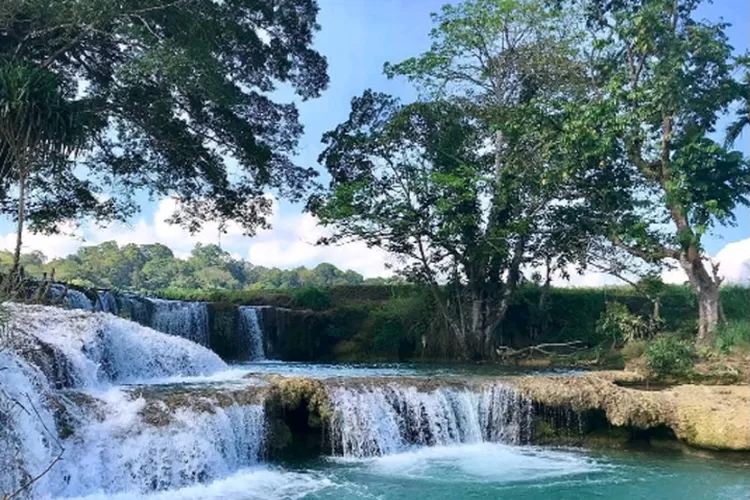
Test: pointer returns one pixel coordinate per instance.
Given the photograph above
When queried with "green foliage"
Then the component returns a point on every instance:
(178, 90)
(641, 141)
(152, 268)
(733, 335)
(311, 298)
(419, 180)
(735, 301)
(621, 326)
(668, 354)
(633, 349)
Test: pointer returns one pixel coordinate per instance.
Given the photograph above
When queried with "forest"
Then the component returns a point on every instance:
(151, 268)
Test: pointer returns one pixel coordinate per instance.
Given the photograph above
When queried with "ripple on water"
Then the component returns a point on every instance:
(487, 462)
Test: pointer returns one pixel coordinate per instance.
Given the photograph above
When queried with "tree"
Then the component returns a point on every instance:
(652, 180)
(742, 113)
(39, 128)
(180, 90)
(461, 187)
(416, 181)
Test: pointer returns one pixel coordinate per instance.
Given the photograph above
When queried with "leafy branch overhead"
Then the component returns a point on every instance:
(653, 177)
(181, 95)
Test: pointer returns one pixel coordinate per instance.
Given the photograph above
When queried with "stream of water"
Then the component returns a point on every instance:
(145, 415)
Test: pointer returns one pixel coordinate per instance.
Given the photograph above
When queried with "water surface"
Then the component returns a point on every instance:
(329, 370)
(484, 471)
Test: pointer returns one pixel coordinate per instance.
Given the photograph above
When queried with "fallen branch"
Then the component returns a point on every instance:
(509, 352)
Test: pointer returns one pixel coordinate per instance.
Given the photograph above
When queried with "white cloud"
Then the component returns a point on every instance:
(56, 245)
(734, 265)
(291, 243)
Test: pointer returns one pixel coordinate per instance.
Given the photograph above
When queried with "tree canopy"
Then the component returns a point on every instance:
(154, 267)
(461, 185)
(179, 96)
(654, 177)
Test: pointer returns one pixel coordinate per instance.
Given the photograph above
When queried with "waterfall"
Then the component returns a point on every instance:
(106, 302)
(250, 332)
(380, 420)
(183, 319)
(126, 452)
(85, 349)
(115, 439)
(74, 299)
(112, 441)
(25, 444)
(135, 308)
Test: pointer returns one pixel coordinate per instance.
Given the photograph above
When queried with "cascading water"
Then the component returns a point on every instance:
(183, 319)
(250, 332)
(132, 440)
(74, 299)
(106, 302)
(113, 439)
(125, 452)
(84, 349)
(380, 420)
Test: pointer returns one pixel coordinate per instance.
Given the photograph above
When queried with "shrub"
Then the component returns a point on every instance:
(634, 349)
(311, 298)
(733, 335)
(621, 326)
(670, 355)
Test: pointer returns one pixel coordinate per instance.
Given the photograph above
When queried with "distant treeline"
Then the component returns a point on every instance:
(153, 267)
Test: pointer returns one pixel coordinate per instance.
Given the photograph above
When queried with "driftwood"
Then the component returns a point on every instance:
(548, 349)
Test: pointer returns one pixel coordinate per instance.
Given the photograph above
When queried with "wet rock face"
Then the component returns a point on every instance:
(712, 417)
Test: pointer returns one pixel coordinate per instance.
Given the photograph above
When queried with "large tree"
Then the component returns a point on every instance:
(461, 186)
(419, 182)
(654, 180)
(182, 93)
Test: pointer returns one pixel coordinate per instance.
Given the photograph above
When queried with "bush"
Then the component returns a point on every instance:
(621, 326)
(311, 298)
(633, 349)
(733, 335)
(670, 355)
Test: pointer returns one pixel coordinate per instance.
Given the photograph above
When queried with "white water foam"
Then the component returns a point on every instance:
(485, 462)
(382, 420)
(91, 348)
(27, 427)
(258, 483)
(120, 452)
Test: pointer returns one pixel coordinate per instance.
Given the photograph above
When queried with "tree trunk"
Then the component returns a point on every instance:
(707, 290)
(709, 307)
(21, 220)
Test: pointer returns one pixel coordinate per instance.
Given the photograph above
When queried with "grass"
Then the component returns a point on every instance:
(734, 336)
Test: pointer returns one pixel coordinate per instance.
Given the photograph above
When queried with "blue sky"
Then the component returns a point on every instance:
(357, 37)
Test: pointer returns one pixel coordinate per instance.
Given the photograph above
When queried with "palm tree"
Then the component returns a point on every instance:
(39, 125)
